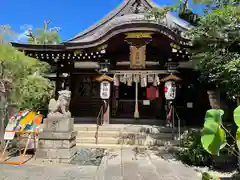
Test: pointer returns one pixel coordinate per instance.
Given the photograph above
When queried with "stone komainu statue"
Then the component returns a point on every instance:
(60, 107)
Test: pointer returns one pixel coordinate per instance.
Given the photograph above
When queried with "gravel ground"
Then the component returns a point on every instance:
(88, 156)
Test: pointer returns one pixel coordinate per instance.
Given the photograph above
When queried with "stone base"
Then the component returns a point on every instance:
(56, 147)
(56, 153)
(56, 144)
(56, 160)
(45, 135)
(55, 124)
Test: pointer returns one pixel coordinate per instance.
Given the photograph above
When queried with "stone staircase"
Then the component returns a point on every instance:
(121, 135)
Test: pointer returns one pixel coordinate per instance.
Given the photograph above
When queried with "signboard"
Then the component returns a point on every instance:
(170, 90)
(146, 102)
(105, 90)
(189, 105)
(9, 135)
(137, 57)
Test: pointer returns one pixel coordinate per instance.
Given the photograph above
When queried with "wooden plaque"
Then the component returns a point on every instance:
(137, 57)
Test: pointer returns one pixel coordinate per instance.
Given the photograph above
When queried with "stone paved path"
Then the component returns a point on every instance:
(118, 165)
(147, 167)
(53, 172)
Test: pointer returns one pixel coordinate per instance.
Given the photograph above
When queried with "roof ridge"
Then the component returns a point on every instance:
(112, 14)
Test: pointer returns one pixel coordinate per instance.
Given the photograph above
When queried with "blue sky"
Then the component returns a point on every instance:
(72, 16)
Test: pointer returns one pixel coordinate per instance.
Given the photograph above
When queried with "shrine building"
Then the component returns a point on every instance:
(136, 55)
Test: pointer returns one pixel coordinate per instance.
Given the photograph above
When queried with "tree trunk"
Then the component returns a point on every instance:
(238, 100)
(214, 99)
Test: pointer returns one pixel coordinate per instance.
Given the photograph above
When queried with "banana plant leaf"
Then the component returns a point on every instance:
(213, 115)
(238, 138)
(213, 137)
(236, 116)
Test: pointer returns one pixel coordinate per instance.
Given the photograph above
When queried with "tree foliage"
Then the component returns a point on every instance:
(217, 55)
(216, 38)
(216, 4)
(36, 92)
(16, 70)
(44, 35)
(181, 8)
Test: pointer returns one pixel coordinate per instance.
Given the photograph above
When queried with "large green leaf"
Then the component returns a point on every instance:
(213, 137)
(236, 116)
(213, 141)
(213, 116)
(238, 138)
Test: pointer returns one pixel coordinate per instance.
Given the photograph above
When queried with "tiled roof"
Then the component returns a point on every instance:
(130, 11)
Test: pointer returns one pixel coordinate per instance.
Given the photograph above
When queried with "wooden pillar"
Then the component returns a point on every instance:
(58, 80)
(114, 100)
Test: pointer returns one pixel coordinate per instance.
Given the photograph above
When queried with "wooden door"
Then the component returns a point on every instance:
(86, 101)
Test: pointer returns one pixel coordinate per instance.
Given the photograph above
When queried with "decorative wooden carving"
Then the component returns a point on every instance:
(87, 88)
(138, 35)
(138, 42)
(77, 52)
(102, 47)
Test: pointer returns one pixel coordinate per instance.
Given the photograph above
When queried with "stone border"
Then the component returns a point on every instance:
(57, 135)
(100, 175)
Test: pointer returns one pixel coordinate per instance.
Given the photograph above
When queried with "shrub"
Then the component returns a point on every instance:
(192, 152)
(35, 93)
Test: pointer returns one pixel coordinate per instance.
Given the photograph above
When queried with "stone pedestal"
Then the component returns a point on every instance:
(57, 141)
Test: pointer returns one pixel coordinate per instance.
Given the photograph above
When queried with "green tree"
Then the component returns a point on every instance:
(44, 35)
(16, 69)
(216, 38)
(36, 92)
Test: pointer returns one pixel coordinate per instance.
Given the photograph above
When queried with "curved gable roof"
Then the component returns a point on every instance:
(121, 10)
(125, 12)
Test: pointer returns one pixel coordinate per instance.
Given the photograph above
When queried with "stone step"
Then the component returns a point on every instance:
(161, 142)
(79, 127)
(108, 140)
(163, 136)
(126, 128)
(162, 129)
(107, 146)
(127, 134)
(111, 127)
(114, 134)
(92, 140)
(117, 134)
